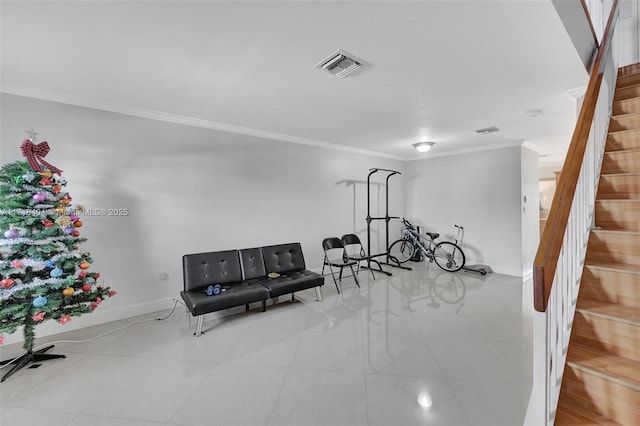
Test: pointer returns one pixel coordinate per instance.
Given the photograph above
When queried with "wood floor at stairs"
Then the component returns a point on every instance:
(601, 382)
(572, 415)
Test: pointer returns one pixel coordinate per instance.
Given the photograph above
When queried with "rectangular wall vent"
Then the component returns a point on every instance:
(340, 64)
(488, 130)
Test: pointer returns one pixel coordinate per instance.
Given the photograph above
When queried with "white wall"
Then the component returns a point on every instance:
(482, 192)
(529, 181)
(190, 190)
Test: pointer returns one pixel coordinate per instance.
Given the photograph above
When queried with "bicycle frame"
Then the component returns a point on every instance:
(447, 254)
(413, 236)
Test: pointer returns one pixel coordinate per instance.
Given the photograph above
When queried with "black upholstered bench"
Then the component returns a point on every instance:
(246, 276)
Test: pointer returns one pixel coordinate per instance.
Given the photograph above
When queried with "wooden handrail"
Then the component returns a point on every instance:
(546, 260)
(588, 14)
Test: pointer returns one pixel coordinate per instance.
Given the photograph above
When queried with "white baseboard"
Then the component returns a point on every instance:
(95, 318)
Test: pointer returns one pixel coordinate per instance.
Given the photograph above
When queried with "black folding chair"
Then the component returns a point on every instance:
(355, 250)
(333, 247)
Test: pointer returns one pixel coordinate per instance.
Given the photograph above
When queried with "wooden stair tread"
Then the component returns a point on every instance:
(614, 266)
(615, 231)
(617, 200)
(570, 415)
(607, 366)
(630, 69)
(628, 80)
(621, 174)
(628, 114)
(612, 311)
(622, 151)
(625, 106)
(617, 132)
(628, 91)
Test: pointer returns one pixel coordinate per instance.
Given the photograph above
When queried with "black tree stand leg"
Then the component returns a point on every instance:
(27, 358)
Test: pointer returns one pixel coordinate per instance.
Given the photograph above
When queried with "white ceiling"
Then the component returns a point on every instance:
(438, 70)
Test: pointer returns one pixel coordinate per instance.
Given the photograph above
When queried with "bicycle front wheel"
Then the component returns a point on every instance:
(449, 256)
(401, 251)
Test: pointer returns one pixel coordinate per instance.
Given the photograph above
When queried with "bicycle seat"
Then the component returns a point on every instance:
(432, 235)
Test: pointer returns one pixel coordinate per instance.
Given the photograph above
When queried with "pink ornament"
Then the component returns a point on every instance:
(7, 282)
(38, 317)
(39, 197)
(112, 293)
(73, 217)
(64, 319)
(1, 339)
(15, 264)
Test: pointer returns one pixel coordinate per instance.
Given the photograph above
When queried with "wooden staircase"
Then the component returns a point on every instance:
(601, 383)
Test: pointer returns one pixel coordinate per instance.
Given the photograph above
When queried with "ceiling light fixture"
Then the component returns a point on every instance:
(423, 146)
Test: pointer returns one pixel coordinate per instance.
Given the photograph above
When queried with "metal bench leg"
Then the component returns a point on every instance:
(264, 305)
(199, 326)
(318, 294)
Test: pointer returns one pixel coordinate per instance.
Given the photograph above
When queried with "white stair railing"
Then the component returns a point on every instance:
(560, 258)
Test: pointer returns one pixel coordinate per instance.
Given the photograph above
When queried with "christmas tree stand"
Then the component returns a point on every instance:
(27, 358)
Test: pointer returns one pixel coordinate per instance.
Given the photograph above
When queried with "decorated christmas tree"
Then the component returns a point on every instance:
(43, 273)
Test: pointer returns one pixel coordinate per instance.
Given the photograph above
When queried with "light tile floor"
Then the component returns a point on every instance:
(462, 342)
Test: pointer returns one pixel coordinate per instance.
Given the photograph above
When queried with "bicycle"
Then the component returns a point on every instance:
(447, 255)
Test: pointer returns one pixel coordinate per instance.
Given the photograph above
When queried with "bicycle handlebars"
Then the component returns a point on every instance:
(409, 225)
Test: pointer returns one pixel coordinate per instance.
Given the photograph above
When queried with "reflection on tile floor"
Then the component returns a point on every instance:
(459, 344)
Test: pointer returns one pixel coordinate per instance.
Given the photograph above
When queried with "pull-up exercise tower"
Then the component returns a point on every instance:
(386, 218)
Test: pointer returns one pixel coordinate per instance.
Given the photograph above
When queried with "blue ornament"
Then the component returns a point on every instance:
(49, 264)
(28, 176)
(39, 301)
(56, 272)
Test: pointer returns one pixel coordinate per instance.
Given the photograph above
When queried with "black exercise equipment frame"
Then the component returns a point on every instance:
(386, 218)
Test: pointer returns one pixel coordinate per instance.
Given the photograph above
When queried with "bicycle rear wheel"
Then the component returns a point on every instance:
(401, 251)
(449, 256)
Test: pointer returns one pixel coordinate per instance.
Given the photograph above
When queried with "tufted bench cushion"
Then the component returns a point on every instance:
(223, 267)
(288, 261)
(234, 295)
(292, 281)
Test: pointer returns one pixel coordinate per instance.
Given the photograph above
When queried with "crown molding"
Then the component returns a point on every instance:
(65, 98)
(448, 152)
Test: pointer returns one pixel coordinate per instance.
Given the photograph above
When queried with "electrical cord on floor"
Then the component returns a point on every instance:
(8, 363)
(172, 310)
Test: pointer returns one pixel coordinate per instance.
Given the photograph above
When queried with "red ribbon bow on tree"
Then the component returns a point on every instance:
(34, 154)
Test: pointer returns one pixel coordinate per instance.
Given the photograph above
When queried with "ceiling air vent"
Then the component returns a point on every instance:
(488, 130)
(340, 64)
